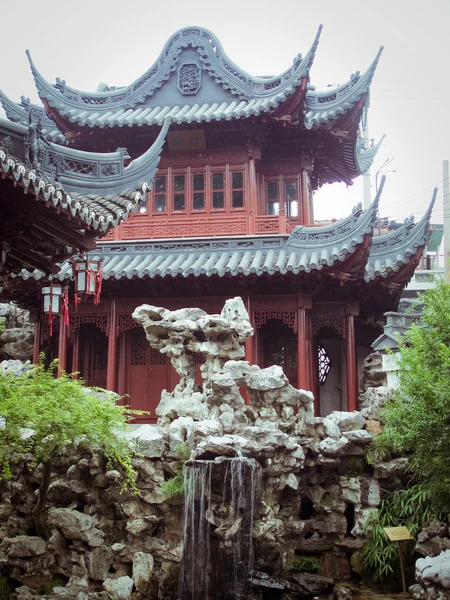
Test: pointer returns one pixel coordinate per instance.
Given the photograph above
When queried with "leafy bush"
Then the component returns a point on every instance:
(59, 413)
(2, 325)
(410, 508)
(306, 564)
(416, 423)
(173, 486)
(417, 418)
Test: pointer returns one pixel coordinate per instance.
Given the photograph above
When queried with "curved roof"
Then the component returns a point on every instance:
(320, 250)
(390, 252)
(21, 113)
(259, 93)
(323, 108)
(82, 189)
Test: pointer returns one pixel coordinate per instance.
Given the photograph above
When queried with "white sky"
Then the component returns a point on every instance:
(89, 41)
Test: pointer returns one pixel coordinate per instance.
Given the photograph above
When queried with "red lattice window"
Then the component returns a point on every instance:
(324, 364)
(138, 348)
(157, 357)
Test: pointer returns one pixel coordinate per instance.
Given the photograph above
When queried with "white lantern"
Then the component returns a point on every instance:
(51, 298)
(88, 278)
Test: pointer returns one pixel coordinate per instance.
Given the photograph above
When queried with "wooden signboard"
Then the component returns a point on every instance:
(398, 534)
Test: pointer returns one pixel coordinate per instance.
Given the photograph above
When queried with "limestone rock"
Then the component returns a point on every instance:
(16, 367)
(149, 440)
(390, 468)
(434, 571)
(99, 561)
(332, 448)
(23, 546)
(75, 525)
(347, 421)
(119, 589)
(142, 571)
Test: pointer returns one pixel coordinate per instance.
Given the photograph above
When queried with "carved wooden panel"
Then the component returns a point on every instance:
(125, 322)
(265, 224)
(337, 323)
(138, 348)
(100, 321)
(157, 357)
(186, 228)
(288, 317)
(45, 331)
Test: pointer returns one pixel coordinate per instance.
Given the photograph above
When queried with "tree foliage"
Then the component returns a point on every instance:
(416, 423)
(417, 418)
(46, 417)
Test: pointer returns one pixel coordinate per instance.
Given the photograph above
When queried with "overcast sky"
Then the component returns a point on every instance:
(89, 41)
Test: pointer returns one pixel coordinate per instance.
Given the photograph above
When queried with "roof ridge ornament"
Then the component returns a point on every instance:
(214, 62)
(392, 250)
(326, 106)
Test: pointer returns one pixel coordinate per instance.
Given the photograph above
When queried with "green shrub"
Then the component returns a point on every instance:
(60, 413)
(306, 564)
(173, 486)
(2, 325)
(411, 508)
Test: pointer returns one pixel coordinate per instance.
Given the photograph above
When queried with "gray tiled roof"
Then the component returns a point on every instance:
(391, 251)
(123, 106)
(322, 108)
(307, 249)
(98, 201)
(20, 113)
(134, 105)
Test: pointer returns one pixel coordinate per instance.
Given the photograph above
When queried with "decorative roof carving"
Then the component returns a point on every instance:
(213, 61)
(23, 112)
(322, 108)
(391, 251)
(74, 181)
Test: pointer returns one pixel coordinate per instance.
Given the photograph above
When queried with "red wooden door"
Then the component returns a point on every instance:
(150, 373)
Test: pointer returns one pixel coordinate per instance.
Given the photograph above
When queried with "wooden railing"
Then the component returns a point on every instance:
(142, 228)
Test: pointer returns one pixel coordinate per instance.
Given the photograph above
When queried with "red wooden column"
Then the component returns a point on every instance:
(112, 345)
(306, 215)
(350, 348)
(124, 363)
(303, 361)
(62, 346)
(76, 351)
(36, 340)
(254, 153)
(250, 342)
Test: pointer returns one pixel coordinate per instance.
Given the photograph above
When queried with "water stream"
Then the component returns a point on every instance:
(219, 510)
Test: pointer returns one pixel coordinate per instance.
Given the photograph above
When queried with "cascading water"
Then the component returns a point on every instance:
(219, 511)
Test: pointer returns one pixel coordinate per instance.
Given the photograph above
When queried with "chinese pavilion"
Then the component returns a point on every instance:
(230, 213)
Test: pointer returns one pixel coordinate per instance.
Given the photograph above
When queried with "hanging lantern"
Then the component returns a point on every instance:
(88, 275)
(51, 301)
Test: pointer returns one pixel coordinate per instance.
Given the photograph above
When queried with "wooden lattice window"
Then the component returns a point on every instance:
(218, 191)
(160, 204)
(282, 195)
(138, 348)
(157, 357)
(198, 193)
(324, 364)
(237, 185)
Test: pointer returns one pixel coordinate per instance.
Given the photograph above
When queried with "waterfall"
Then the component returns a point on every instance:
(219, 511)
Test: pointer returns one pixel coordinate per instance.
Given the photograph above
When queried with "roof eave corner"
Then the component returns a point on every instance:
(365, 157)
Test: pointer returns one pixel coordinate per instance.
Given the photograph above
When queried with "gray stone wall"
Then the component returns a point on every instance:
(16, 341)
